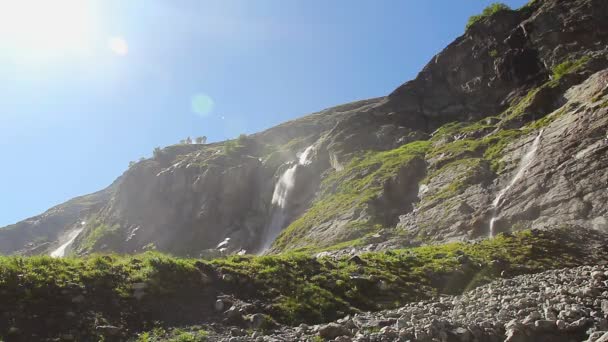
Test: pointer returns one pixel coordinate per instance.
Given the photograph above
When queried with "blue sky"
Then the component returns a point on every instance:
(87, 86)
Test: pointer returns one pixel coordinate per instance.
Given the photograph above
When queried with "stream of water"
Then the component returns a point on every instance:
(60, 252)
(280, 198)
(524, 164)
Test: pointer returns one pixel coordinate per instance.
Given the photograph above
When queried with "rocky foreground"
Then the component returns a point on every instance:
(558, 305)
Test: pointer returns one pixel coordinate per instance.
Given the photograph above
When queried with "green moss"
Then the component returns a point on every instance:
(351, 189)
(496, 143)
(518, 108)
(569, 66)
(452, 129)
(465, 171)
(173, 335)
(488, 11)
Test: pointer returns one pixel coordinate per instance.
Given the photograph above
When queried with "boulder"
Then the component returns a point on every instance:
(333, 330)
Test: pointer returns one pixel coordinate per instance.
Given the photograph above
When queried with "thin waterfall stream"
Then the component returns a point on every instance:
(61, 251)
(280, 199)
(523, 166)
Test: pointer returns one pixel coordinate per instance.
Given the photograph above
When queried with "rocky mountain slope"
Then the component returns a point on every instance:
(505, 129)
(468, 205)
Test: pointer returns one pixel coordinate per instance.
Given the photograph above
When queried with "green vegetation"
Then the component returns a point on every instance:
(352, 189)
(238, 145)
(493, 53)
(488, 11)
(569, 66)
(490, 147)
(464, 172)
(173, 335)
(97, 234)
(293, 288)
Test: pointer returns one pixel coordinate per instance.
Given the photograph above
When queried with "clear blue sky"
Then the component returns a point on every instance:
(86, 87)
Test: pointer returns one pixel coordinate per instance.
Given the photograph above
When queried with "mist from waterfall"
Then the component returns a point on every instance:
(524, 164)
(280, 198)
(60, 252)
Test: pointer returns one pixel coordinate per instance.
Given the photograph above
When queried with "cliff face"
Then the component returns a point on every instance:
(504, 129)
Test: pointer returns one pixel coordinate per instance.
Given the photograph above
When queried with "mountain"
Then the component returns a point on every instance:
(468, 205)
(503, 130)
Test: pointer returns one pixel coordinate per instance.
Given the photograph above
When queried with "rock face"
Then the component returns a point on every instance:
(424, 164)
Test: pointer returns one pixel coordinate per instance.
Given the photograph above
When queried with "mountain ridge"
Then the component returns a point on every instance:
(385, 172)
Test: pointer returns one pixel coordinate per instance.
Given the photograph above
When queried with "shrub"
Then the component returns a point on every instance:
(488, 11)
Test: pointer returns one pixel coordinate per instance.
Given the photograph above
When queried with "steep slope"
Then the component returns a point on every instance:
(43, 233)
(438, 159)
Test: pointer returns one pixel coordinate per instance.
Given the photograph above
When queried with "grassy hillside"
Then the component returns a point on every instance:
(45, 297)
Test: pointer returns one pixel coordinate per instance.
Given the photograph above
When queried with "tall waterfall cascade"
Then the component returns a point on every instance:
(61, 251)
(523, 166)
(280, 199)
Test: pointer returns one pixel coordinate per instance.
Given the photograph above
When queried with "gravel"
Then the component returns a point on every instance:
(558, 305)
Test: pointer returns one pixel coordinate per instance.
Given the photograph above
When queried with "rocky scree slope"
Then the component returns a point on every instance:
(557, 305)
(423, 164)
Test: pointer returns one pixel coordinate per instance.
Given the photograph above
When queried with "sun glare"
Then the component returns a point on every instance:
(43, 29)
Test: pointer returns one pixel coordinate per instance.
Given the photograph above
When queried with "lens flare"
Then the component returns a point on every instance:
(202, 104)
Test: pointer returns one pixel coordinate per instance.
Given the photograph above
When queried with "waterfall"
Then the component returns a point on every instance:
(280, 198)
(524, 164)
(60, 252)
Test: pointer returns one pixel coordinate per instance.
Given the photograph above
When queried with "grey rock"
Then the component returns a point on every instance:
(333, 330)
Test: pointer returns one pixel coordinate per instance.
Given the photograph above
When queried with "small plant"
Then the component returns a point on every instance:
(488, 11)
(493, 53)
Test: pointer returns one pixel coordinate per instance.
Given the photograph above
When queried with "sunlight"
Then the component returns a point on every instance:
(34, 29)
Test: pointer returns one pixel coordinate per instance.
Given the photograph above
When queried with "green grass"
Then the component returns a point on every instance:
(487, 12)
(569, 66)
(465, 171)
(352, 188)
(293, 287)
(96, 234)
(173, 335)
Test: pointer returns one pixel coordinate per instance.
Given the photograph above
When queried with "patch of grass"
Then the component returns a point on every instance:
(488, 11)
(518, 108)
(98, 234)
(569, 66)
(466, 174)
(351, 189)
(173, 335)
